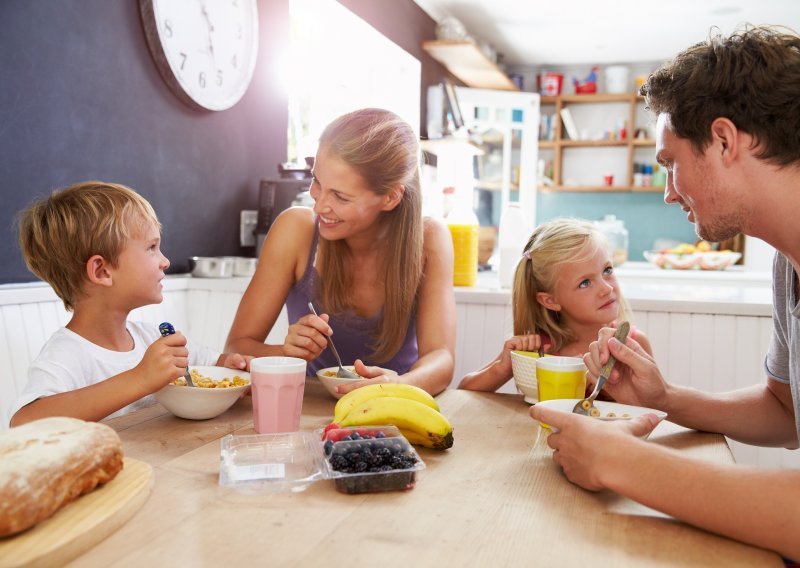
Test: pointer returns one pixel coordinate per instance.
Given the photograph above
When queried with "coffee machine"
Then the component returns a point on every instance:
(275, 195)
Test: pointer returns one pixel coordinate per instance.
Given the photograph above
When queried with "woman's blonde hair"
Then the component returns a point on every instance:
(551, 246)
(60, 233)
(384, 150)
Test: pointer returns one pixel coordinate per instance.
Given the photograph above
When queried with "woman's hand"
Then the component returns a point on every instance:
(635, 378)
(307, 338)
(235, 361)
(371, 376)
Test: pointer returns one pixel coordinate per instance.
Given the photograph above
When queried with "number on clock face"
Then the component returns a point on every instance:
(210, 47)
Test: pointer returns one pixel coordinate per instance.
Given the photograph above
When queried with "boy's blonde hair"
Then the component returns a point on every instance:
(59, 234)
(384, 150)
(551, 246)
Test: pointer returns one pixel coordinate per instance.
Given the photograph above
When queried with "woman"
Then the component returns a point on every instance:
(379, 275)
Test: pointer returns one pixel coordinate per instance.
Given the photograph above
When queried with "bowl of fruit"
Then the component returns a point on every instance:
(685, 256)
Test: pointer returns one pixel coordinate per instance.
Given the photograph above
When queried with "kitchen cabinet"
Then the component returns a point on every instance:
(504, 125)
(580, 162)
(466, 61)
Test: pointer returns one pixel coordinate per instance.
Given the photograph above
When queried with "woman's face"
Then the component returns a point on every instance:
(344, 203)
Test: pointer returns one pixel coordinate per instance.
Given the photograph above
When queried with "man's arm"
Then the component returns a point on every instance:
(755, 506)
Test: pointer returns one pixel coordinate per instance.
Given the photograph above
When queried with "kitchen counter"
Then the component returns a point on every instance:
(647, 288)
(495, 499)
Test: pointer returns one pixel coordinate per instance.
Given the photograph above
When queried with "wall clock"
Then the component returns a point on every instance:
(205, 50)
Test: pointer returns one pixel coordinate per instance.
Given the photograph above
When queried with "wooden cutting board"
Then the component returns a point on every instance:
(83, 523)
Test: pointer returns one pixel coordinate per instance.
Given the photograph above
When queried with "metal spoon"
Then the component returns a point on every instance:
(165, 329)
(342, 373)
(586, 406)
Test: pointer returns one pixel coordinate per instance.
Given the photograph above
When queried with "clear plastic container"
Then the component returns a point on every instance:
(295, 460)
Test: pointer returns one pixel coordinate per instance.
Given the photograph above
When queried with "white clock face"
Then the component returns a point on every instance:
(210, 47)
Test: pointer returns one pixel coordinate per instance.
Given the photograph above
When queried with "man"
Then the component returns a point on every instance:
(728, 136)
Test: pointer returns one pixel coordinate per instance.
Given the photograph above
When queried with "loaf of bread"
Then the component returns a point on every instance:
(48, 463)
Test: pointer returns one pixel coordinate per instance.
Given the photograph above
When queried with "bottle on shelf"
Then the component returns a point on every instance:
(511, 241)
(463, 225)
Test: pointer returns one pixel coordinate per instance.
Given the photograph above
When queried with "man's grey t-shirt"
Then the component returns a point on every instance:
(783, 358)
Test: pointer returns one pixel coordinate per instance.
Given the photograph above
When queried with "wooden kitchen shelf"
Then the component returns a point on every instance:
(467, 62)
(560, 143)
(599, 188)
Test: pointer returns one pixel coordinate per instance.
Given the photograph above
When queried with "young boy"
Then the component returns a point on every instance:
(97, 245)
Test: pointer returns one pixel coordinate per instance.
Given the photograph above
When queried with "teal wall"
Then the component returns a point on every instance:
(646, 216)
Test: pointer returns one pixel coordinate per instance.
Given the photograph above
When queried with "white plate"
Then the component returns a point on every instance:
(621, 411)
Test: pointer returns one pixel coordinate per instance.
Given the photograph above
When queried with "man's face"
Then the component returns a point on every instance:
(699, 183)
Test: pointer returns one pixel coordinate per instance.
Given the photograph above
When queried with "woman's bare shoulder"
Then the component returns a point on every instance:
(434, 233)
(292, 230)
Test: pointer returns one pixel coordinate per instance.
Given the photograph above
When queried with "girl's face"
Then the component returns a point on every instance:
(586, 292)
(344, 203)
(140, 268)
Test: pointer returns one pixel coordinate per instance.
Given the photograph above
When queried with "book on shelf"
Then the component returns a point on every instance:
(569, 124)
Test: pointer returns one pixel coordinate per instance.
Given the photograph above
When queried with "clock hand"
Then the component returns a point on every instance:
(204, 10)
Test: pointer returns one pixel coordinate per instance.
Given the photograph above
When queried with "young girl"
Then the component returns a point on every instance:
(379, 275)
(564, 292)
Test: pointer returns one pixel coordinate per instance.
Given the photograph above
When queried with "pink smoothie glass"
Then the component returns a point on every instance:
(277, 388)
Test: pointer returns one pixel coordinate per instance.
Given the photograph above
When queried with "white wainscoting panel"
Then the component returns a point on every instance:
(710, 350)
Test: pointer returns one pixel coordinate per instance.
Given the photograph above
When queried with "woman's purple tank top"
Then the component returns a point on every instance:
(352, 334)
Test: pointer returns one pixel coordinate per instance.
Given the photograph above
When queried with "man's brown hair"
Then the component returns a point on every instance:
(751, 77)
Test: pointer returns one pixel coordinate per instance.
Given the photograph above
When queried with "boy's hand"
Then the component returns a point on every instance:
(164, 361)
(235, 361)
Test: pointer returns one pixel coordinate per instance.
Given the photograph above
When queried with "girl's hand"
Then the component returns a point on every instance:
(307, 338)
(635, 378)
(530, 342)
(371, 375)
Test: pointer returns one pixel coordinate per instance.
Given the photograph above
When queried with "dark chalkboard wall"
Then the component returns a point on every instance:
(80, 98)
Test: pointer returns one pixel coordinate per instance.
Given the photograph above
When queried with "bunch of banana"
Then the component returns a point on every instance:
(414, 412)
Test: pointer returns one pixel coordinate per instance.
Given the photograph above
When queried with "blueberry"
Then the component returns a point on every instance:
(346, 439)
(380, 434)
(328, 447)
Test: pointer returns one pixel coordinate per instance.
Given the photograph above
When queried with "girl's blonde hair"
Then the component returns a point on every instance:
(551, 246)
(60, 233)
(384, 150)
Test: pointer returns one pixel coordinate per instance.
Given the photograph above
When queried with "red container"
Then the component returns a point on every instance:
(552, 84)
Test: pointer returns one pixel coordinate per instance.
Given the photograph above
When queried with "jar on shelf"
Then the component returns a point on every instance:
(617, 235)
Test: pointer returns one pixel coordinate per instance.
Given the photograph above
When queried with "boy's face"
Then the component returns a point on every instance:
(140, 268)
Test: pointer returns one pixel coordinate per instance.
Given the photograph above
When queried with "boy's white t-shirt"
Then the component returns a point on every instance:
(68, 362)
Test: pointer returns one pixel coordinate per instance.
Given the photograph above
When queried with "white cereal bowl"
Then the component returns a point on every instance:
(523, 365)
(198, 403)
(617, 410)
(330, 381)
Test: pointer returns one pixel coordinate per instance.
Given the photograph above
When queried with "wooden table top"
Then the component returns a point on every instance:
(495, 499)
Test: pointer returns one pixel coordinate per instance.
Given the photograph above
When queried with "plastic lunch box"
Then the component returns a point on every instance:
(292, 461)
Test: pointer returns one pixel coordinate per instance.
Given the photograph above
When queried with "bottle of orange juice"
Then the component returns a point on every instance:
(463, 226)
